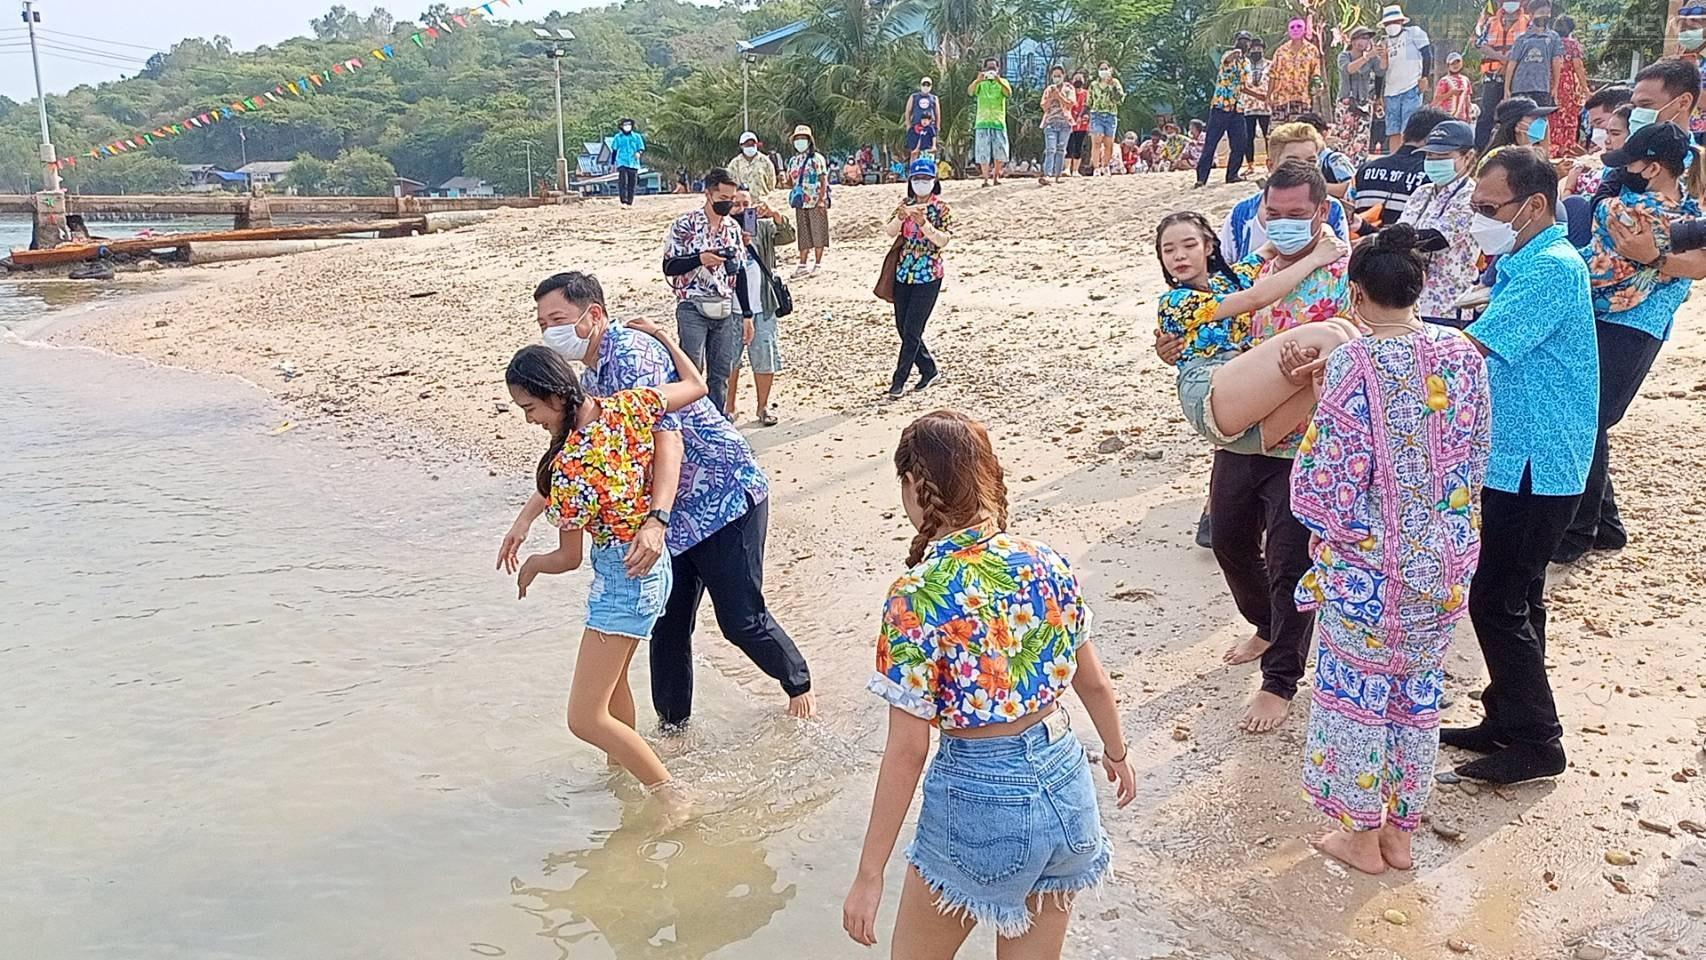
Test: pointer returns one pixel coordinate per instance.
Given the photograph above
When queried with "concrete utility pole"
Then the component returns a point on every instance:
(529, 146)
(50, 174)
(557, 53)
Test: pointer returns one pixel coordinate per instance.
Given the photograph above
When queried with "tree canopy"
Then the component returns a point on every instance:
(477, 101)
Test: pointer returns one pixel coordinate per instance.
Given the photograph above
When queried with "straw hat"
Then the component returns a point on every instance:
(804, 131)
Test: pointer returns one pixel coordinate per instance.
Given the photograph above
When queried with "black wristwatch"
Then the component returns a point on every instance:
(661, 516)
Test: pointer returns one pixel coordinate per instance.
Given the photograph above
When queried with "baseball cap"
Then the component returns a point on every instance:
(1518, 107)
(1454, 57)
(922, 167)
(1450, 136)
(1664, 142)
(748, 137)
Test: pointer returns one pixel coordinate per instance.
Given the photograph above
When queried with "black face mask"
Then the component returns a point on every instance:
(722, 207)
(1078, 82)
(1634, 182)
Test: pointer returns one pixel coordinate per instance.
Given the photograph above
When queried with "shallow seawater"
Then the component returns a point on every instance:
(264, 696)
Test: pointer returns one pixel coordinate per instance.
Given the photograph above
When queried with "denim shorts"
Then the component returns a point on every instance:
(623, 605)
(989, 145)
(1103, 124)
(765, 350)
(1400, 109)
(1196, 391)
(1008, 817)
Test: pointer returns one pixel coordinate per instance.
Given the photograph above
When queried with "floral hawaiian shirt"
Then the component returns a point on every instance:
(720, 477)
(1189, 313)
(920, 259)
(599, 478)
(1322, 295)
(1295, 69)
(985, 630)
(691, 235)
(808, 180)
(1388, 480)
(1620, 286)
(1453, 271)
(1173, 148)
(1106, 95)
(1234, 74)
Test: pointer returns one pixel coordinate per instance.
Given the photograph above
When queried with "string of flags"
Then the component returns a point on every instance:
(301, 87)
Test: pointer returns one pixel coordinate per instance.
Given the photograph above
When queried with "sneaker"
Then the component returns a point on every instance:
(813, 270)
(894, 394)
(927, 380)
(801, 271)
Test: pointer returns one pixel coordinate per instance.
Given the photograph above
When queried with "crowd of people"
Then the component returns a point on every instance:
(1405, 348)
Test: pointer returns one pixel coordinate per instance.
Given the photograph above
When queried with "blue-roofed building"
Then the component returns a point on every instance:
(595, 171)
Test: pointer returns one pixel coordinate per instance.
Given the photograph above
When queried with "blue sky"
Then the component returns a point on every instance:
(95, 40)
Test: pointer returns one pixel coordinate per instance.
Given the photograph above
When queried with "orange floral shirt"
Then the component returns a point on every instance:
(600, 480)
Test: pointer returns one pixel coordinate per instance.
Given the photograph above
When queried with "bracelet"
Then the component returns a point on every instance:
(1121, 759)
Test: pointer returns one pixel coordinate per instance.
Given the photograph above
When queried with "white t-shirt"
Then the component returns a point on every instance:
(1404, 68)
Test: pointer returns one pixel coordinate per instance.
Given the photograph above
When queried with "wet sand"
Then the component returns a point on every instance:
(1044, 332)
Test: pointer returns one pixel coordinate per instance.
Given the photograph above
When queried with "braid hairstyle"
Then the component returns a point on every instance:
(1211, 240)
(957, 476)
(543, 373)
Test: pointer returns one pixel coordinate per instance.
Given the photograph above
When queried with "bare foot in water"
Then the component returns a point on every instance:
(1395, 848)
(1247, 651)
(1264, 712)
(674, 803)
(803, 707)
(1359, 849)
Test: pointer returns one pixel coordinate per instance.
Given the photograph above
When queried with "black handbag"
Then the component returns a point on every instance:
(778, 289)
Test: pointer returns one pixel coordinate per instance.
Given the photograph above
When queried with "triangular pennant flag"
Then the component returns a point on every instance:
(278, 89)
(418, 41)
(432, 32)
(148, 138)
(272, 96)
(177, 130)
(486, 7)
(250, 103)
(136, 143)
(224, 113)
(193, 122)
(461, 21)
(94, 155)
(294, 89)
(338, 68)
(355, 63)
(204, 119)
(388, 51)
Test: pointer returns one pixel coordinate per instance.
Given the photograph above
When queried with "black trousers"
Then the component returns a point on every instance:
(1492, 91)
(1263, 551)
(913, 303)
(1625, 357)
(1252, 121)
(1507, 604)
(627, 178)
(1229, 124)
(729, 565)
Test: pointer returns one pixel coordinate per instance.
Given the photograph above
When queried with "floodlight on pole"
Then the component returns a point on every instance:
(556, 38)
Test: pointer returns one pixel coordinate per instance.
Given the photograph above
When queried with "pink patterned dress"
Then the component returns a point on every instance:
(1388, 481)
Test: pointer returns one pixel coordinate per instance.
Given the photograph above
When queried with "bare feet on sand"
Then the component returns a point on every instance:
(1246, 651)
(1359, 849)
(803, 707)
(1264, 712)
(1395, 848)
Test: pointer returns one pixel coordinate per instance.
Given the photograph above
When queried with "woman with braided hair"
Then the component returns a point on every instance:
(980, 638)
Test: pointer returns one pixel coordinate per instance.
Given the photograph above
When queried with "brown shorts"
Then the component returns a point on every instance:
(813, 225)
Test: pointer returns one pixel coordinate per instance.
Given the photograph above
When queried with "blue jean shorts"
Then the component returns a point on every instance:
(1400, 109)
(1005, 818)
(622, 605)
(989, 145)
(765, 350)
(1103, 124)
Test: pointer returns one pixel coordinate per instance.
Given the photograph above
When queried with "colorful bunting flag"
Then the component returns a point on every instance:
(418, 42)
(338, 68)
(461, 21)
(388, 51)
(432, 32)
(486, 7)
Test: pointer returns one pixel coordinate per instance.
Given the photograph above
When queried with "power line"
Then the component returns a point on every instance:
(97, 63)
(90, 51)
(111, 43)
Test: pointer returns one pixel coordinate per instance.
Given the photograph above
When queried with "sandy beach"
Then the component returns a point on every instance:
(1044, 333)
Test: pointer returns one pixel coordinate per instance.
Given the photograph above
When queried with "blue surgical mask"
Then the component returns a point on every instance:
(1441, 171)
(1537, 129)
(1642, 117)
(1691, 39)
(1290, 236)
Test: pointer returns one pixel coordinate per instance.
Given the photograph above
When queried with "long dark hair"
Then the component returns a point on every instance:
(1390, 267)
(1216, 261)
(543, 373)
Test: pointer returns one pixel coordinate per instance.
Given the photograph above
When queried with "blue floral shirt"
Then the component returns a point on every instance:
(1189, 313)
(720, 477)
(1543, 367)
(1628, 293)
(984, 630)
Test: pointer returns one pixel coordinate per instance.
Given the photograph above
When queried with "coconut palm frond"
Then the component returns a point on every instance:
(1220, 29)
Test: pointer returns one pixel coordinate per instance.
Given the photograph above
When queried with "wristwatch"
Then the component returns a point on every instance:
(661, 516)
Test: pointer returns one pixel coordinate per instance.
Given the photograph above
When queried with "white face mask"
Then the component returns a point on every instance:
(566, 340)
(1599, 137)
(1392, 30)
(801, 145)
(750, 151)
(1494, 237)
(923, 188)
(1104, 73)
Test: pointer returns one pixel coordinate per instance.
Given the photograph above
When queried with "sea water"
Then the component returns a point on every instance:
(264, 695)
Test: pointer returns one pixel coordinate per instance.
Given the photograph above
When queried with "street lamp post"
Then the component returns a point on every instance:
(557, 53)
(50, 161)
(529, 145)
(745, 83)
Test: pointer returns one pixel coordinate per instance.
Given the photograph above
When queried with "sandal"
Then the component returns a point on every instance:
(768, 419)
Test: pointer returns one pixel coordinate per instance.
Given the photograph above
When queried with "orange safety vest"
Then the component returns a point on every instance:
(1494, 32)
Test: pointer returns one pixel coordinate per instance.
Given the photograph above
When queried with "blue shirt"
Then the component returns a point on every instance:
(720, 477)
(627, 147)
(1654, 315)
(1543, 367)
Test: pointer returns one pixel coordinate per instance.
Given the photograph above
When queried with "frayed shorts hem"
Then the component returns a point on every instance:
(1010, 921)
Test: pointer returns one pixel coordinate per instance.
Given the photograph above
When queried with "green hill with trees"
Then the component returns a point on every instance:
(472, 100)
